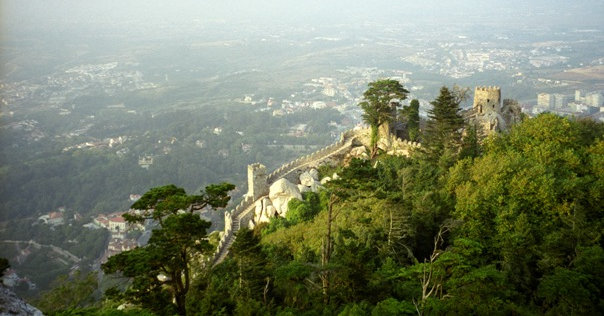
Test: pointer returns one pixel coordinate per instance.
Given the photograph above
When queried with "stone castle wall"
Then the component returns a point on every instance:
(292, 165)
(259, 182)
(487, 99)
(257, 185)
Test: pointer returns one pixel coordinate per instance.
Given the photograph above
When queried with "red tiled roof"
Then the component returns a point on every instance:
(117, 219)
(54, 215)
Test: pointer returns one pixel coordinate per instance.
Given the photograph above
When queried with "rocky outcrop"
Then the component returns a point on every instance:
(309, 181)
(263, 212)
(306, 179)
(281, 192)
(359, 152)
(391, 145)
(11, 304)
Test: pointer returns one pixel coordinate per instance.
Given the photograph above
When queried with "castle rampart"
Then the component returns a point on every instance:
(259, 184)
(487, 99)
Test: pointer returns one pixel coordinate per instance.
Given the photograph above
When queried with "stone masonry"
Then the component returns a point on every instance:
(257, 180)
(487, 99)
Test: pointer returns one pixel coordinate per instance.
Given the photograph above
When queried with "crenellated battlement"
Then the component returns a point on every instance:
(488, 88)
(487, 99)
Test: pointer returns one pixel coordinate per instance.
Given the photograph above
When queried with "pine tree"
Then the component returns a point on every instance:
(410, 114)
(378, 106)
(443, 131)
(161, 271)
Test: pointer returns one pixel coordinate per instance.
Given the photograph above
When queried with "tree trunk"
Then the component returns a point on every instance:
(374, 138)
(180, 305)
(327, 249)
(429, 285)
(240, 275)
(264, 294)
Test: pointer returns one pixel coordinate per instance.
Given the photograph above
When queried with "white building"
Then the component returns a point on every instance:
(117, 224)
(545, 100)
(560, 100)
(594, 99)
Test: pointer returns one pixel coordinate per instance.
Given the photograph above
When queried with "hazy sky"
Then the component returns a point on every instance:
(19, 14)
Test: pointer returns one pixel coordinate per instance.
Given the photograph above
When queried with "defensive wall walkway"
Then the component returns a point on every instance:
(241, 214)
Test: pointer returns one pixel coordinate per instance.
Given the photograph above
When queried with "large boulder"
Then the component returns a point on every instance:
(281, 192)
(306, 179)
(309, 181)
(269, 212)
(264, 211)
(325, 180)
(384, 143)
(258, 209)
(303, 188)
(358, 151)
(314, 173)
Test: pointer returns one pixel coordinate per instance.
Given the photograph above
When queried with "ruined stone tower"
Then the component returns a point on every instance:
(257, 180)
(487, 99)
(394, 128)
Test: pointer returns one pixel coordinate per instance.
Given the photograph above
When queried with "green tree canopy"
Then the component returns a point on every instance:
(169, 199)
(443, 131)
(379, 105)
(533, 201)
(69, 292)
(161, 270)
(410, 114)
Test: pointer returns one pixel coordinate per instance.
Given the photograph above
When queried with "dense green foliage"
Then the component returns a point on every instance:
(298, 212)
(410, 114)
(515, 227)
(443, 130)
(379, 105)
(69, 292)
(44, 176)
(161, 270)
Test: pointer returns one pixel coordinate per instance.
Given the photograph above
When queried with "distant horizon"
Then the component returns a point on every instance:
(40, 14)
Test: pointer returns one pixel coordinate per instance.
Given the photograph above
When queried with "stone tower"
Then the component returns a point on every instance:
(388, 129)
(257, 180)
(487, 99)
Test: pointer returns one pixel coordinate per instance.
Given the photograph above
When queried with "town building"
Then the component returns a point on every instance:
(560, 100)
(545, 100)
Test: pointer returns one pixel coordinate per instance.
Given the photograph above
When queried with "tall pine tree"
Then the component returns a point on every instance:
(379, 106)
(410, 114)
(443, 131)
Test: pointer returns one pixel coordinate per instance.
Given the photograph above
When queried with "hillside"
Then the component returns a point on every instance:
(516, 229)
(512, 226)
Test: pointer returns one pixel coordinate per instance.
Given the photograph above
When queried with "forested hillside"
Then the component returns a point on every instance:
(516, 229)
(513, 226)
(185, 145)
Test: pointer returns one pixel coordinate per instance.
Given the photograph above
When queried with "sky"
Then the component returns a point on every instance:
(18, 14)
